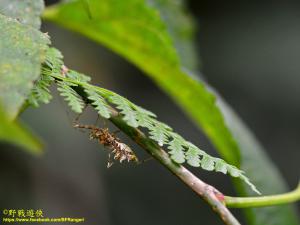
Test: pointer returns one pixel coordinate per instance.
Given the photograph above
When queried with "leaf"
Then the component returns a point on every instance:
(158, 131)
(177, 148)
(26, 11)
(53, 62)
(15, 133)
(40, 92)
(192, 155)
(207, 163)
(221, 166)
(126, 109)
(74, 100)
(143, 119)
(99, 103)
(22, 49)
(144, 111)
(181, 26)
(78, 76)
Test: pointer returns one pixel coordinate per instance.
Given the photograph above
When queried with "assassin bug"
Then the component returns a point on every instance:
(120, 150)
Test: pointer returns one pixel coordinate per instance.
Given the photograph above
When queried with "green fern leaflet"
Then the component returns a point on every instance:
(103, 100)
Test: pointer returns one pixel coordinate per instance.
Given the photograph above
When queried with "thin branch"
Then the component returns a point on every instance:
(263, 201)
(214, 198)
(207, 192)
(210, 194)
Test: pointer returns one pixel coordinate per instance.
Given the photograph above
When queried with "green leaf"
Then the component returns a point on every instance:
(159, 133)
(99, 103)
(144, 111)
(144, 118)
(207, 163)
(53, 61)
(26, 11)
(192, 156)
(181, 26)
(15, 133)
(22, 50)
(176, 147)
(40, 92)
(126, 109)
(150, 47)
(221, 166)
(52, 65)
(74, 100)
(78, 76)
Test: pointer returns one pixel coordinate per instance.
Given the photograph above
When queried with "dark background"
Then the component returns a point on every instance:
(249, 52)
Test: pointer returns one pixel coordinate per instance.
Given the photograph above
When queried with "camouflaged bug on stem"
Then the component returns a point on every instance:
(120, 150)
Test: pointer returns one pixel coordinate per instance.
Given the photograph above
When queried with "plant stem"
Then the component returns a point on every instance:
(263, 201)
(211, 195)
(207, 192)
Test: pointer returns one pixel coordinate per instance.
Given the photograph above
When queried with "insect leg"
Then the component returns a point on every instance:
(109, 161)
(79, 115)
(115, 132)
(144, 160)
(96, 122)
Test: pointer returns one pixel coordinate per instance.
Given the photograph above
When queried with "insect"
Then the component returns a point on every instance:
(120, 150)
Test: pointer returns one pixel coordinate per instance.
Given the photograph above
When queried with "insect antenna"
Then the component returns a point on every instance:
(144, 160)
(79, 115)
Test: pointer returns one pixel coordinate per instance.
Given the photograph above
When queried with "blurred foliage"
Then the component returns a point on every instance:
(16, 133)
(22, 50)
(181, 26)
(26, 11)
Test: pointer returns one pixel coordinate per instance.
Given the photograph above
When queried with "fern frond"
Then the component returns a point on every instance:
(72, 74)
(144, 111)
(99, 103)
(247, 181)
(74, 100)
(180, 150)
(207, 163)
(143, 119)
(40, 92)
(126, 109)
(176, 147)
(159, 132)
(193, 155)
(53, 62)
